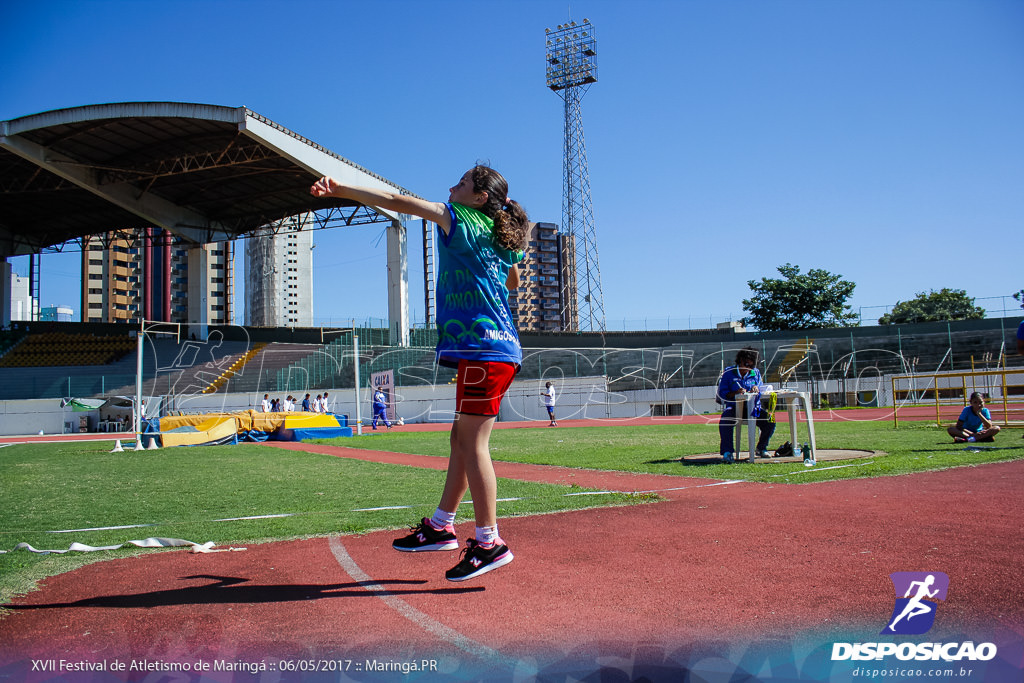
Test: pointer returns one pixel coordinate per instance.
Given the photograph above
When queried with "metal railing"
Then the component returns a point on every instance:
(953, 389)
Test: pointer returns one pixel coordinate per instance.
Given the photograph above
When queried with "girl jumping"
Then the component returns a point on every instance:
(483, 234)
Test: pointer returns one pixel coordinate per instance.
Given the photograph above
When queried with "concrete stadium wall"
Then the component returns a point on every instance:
(32, 416)
(646, 369)
(576, 398)
(44, 415)
(634, 360)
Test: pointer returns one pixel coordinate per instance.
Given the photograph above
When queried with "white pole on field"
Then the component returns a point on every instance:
(138, 383)
(355, 356)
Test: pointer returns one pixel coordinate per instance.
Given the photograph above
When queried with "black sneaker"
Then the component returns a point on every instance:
(425, 537)
(477, 560)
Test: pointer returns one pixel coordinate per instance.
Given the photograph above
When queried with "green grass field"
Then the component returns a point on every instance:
(657, 449)
(181, 492)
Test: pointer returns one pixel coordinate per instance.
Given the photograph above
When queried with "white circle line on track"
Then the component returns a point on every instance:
(421, 619)
(425, 621)
(697, 486)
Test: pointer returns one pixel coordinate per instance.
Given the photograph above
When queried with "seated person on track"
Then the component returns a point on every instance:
(974, 423)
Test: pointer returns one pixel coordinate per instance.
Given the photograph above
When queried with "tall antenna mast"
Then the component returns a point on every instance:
(571, 55)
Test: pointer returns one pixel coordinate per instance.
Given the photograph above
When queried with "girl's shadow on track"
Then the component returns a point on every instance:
(226, 590)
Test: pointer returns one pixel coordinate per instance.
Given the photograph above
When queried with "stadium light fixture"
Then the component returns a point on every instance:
(571, 56)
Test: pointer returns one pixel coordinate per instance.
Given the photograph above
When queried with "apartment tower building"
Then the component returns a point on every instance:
(155, 276)
(547, 281)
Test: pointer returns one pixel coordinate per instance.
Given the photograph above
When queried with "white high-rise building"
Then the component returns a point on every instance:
(279, 275)
(22, 303)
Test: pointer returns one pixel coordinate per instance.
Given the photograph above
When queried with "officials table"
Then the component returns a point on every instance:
(792, 398)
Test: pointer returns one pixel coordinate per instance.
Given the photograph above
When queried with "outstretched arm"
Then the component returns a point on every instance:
(400, 203)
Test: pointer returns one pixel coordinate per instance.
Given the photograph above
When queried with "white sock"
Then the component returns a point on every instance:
(487, 535)
(442, 519)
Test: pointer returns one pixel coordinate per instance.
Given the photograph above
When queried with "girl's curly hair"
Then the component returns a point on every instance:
(511, 223)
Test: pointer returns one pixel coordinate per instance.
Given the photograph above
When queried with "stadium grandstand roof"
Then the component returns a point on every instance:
(204, 172)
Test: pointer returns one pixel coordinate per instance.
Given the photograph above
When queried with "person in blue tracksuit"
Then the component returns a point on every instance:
(380, 408)
(742, 378)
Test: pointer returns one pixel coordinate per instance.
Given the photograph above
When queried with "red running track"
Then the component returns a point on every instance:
(713, 578)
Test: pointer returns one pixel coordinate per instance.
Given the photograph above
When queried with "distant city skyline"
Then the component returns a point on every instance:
(880, 141)
(995, 305)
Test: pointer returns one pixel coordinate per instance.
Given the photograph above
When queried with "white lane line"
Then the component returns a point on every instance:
(696, 486)
(822, 469)
(242, 519)
(421, 619)
(102, 528)
(409, 507)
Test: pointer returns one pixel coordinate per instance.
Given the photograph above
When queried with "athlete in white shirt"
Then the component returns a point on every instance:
(548, 396)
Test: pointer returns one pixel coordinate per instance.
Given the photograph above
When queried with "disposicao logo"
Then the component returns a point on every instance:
(917, 598)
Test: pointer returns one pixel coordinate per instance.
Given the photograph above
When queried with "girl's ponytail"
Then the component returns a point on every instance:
(511, 225)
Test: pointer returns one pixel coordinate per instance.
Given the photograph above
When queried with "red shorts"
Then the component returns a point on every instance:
(480, 386)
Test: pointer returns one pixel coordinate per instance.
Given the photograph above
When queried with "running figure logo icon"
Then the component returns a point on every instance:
(917, 596)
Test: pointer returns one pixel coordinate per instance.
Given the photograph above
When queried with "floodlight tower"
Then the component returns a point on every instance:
(571, 55)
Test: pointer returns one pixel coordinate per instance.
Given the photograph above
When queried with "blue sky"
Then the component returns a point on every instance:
(878, 139)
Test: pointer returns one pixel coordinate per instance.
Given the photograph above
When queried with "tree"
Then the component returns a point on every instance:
(800, 301)
(1019, 296)
(945, 304)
